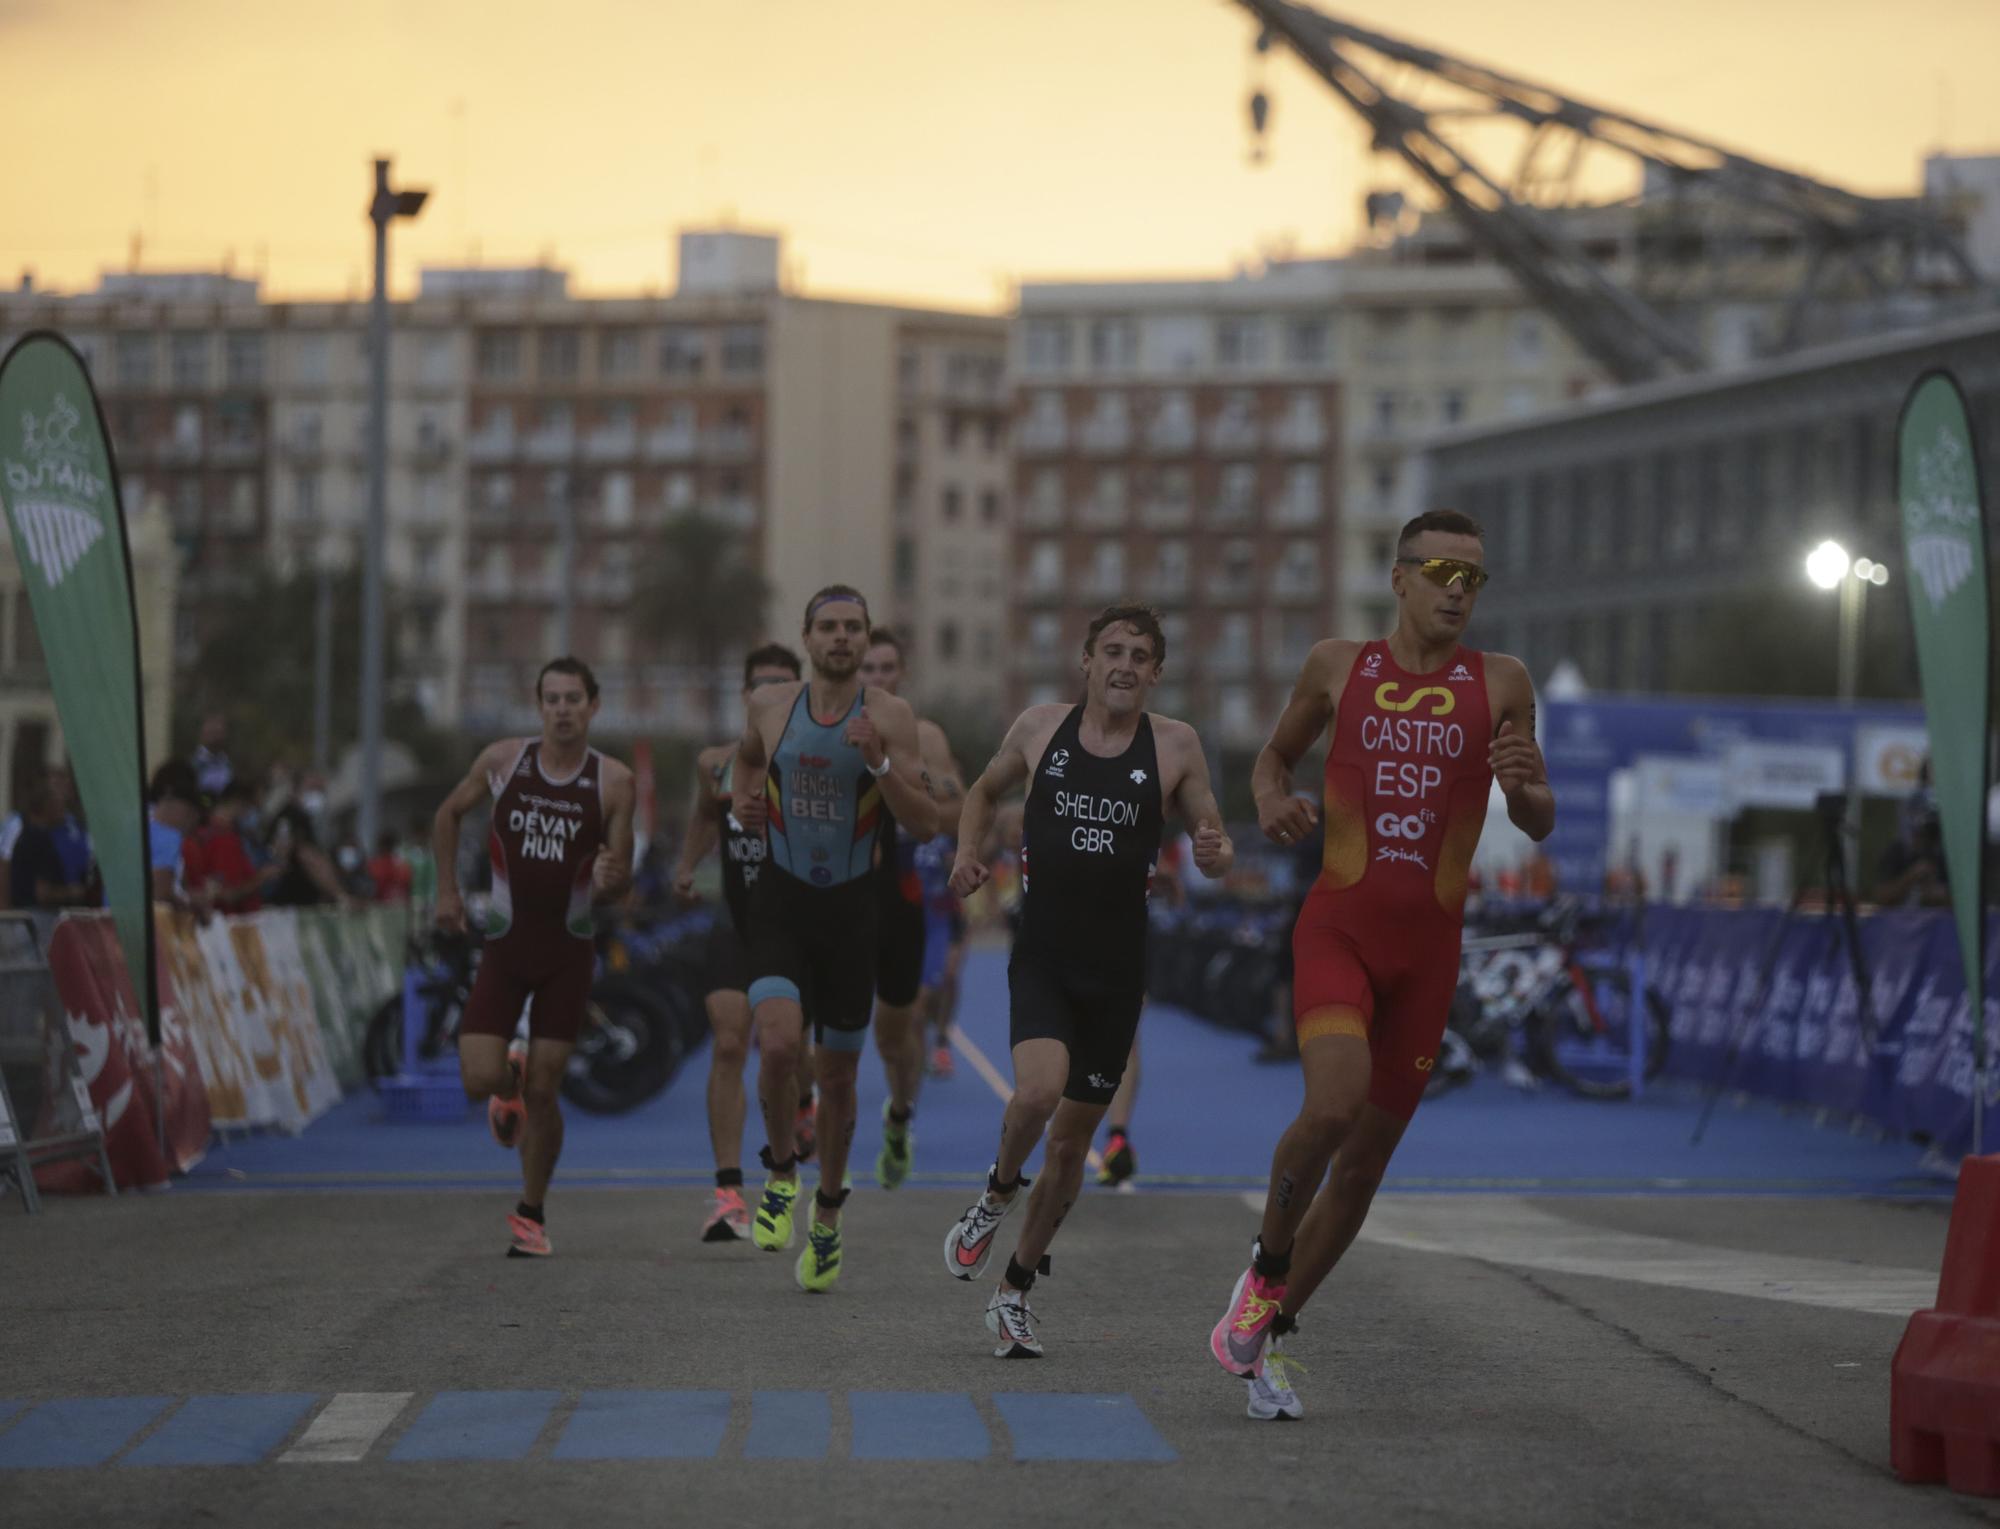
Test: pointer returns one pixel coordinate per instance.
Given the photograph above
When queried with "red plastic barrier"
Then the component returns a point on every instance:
(1944, 1387)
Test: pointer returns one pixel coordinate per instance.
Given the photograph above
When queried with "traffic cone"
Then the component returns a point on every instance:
(1944, 1386)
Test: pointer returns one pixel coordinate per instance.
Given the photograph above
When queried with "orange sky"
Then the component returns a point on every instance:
(928, 149)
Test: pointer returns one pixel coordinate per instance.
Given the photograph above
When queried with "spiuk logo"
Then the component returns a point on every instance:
(1408, 856)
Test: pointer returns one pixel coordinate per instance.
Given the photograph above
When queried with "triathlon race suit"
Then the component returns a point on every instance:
(727, 964)
(1406, 786)
(813, 908)
(1090, 837)
(899, 955)
(943, 921)
(539, 937)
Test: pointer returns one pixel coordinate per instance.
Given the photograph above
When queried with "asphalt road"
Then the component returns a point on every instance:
(1480, 1360)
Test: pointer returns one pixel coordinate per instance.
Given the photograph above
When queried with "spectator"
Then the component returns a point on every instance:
(10, 835)
(176, 811)
(388, 872)
(50, 866)
(1911, 872)
(216, 858)
(306, 875)
(212, 770)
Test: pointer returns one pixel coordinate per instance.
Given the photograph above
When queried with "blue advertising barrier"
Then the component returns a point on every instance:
(1907, 1065)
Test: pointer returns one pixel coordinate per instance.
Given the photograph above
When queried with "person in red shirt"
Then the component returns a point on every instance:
(388, 871)
(215, 859)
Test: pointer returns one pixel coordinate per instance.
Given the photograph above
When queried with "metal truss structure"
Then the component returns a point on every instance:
(1712, 225)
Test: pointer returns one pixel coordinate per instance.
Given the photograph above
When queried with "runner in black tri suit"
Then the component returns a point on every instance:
(901, 952)
(561, 838)
(726, 970)
(1099, 776)
(817, 765)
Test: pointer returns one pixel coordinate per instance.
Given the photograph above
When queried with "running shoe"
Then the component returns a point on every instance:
(803, 1137)
(1120, 1162)
(505, 1117)
(1238, 1339)
(892, 1163)
(1272, 1399)
(728, 1220)
(969, 1244)
(1008, 1318)
(819, 1264)
(531, 1238)
(941, 1063)
(773, 1229)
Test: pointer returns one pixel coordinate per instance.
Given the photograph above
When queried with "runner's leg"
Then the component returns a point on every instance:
(542, 1136)
(780, 1023)
(1041, 1068)
(482, 1067)
(839, 1065)
(1123, 1102)
(1064, 1159)
(1337, 1070)
(729, 1024)
(1338, 1210)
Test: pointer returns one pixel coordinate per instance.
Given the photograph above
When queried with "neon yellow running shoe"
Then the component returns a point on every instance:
(819, 1264)
(892, 1165)
(772, 1230)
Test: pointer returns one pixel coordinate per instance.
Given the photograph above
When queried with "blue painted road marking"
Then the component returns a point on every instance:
(789, 1425)
(1054, 1427)
(222, 1430)
(9, 1409)
(917, 1425)
(84, 1430)
(477, 1425)
(645, 1425)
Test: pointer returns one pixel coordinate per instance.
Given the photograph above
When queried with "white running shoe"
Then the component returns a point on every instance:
(1008, 1318)
(1272, 1399)
(969, 1244)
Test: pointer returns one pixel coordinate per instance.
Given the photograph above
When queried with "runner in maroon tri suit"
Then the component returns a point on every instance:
(561, 838)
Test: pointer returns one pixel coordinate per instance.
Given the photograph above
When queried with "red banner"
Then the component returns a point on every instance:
(102, 1019)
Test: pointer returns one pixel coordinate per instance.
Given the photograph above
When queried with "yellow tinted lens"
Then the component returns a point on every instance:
(1446, 571)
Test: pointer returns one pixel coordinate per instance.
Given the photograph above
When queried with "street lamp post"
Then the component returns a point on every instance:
(1829, 567)
(387, 206)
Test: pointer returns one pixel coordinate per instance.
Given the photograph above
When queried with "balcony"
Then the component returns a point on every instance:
(1041, 591)
(184, 446)
(490, 446)
(1232, 512)
(1233, 433)
(301, 449)
(238, 450)
(432, 451)
(729, 443)
(550, 445)
(612, 584)
(1168, 589)
(540, 585)
(1166, 514)
(1300, 434)
(1296, 588)
(1042, 435)
(1099, 513)
(736, 511)
(491, 586)
(1170, 436)
(1227, 663)
(1230, 588)
(1102, 588)
(1105, 436)
(611, 443)
(671, 443)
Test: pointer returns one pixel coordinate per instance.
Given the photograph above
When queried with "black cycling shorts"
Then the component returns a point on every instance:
(725, 961)
(1096, 1022)
(899, 951)
(815, 946)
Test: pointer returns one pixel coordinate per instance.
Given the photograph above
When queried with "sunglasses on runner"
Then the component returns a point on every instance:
(1446, 571)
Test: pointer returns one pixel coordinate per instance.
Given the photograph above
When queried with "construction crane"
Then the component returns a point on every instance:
(1712, 223)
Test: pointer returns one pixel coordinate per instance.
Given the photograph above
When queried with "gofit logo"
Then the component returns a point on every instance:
(1394, 826)
(1388, 696)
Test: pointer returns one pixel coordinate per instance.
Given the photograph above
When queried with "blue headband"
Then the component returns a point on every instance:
(848, 598)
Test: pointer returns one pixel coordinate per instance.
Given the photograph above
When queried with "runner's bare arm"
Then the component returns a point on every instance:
(1194, 800)
(947, 781)
(1515, 756)
(1285, 818)
(611, 871)
(703, 832)
(753, 758)
(1004, 772)
(466, 795)
(906, 786)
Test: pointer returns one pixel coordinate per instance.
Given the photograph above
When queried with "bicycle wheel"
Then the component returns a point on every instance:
(1568, 1045)
(627, 1050)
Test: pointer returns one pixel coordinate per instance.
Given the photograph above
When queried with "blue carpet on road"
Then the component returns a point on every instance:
(1207, 1118)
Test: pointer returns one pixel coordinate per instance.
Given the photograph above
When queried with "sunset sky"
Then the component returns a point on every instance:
(926, 149)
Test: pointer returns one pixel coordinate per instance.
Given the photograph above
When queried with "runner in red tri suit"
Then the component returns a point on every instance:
(1422, 727)
(561, 837)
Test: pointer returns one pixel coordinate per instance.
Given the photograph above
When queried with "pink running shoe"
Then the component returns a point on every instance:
(530, 1238)
(729, 1220)
(505, 1117)
(1238, 1340)
(941, 1064)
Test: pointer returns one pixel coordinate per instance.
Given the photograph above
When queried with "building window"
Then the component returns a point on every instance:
(1239, 341)
(909, 370)
(243, 359)
(1524, 340)
(905, 573)
(498, 355)
(190, 360)
(989, 507)
(1384, 415)
(1045, 345)
(1451, 406)
(947, 641)
(743, 350)
(133, 360)
(559, 355)
(1308, 342)
(682, 349)
(618, 354)
(954, 506)
(1388, 335)
(1114, 344)
(1045, 566)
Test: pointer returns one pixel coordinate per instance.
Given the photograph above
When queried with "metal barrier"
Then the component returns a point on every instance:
(35, 1045)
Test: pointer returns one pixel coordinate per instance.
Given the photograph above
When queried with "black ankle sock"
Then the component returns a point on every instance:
(1272, 1266)
(1119, 1134)
(1282, 1325)
(1021, 1181)
(806, 1100)
(729, 1178)
(831, 1202)
(1018, 1278)
(532, 1212)
(901, 1117)
(789, 1165)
